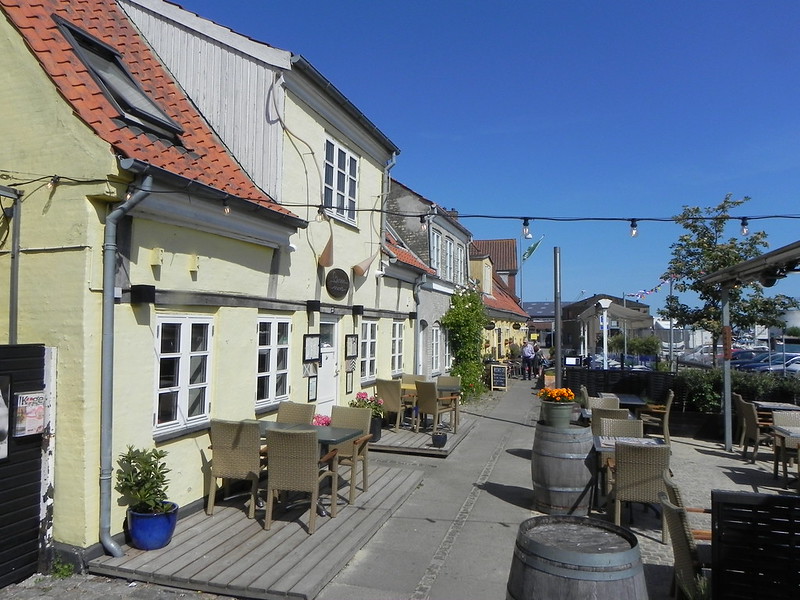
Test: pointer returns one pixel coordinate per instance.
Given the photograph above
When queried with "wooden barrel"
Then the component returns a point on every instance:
(565, 557)
(561, 470)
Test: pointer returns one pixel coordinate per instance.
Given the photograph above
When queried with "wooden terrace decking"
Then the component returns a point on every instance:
(406, 441)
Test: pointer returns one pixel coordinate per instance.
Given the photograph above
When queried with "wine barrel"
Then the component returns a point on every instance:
(565, 557)
(561, 470)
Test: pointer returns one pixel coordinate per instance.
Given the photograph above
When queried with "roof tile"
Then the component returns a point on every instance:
(208, 161)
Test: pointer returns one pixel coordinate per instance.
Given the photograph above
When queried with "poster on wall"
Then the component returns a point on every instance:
(29, 411)
(5, 391)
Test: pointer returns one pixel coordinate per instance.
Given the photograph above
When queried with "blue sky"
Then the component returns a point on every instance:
(624, 109)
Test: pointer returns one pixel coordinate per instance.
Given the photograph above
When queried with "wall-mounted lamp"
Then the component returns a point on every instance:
(358, 310)
(412, 316)
(745, 228)
(634, 228)
(143, 294)
(516, 326)
(313, 306)
(526, 231)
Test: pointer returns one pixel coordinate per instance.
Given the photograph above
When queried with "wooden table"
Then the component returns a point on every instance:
(784, 435)
(762, 405)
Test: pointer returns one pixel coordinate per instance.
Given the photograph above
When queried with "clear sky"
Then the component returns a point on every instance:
(568, 108)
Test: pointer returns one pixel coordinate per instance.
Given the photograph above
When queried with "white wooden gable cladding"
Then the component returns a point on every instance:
(232, 79)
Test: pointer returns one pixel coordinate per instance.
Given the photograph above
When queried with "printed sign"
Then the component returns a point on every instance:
(29, 413)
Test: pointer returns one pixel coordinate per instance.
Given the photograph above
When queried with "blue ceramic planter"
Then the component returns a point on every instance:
(151, 531)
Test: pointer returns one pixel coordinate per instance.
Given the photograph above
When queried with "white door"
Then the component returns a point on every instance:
(328, 374)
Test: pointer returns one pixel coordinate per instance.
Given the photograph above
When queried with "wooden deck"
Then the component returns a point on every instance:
(230, 554)
(406, 441)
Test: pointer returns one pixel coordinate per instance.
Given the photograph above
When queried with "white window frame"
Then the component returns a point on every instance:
(436, 251)
(398, 331)
(274, 369)
(459, 265)
(369, 344)
(448, 258)
(448, 353)
(183, 386)
(436, 345)
(340, 181)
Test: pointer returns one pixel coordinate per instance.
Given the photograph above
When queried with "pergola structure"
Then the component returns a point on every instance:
(767, 269)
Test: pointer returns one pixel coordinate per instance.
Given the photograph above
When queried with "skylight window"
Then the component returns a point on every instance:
(106, 66)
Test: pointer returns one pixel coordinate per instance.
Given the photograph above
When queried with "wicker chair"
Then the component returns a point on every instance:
(621, 427)
(593, 402)
(738, 401)
(295, 466)
(354, 452)
(294, 412)
(235, 447)
(786, 418)
(639, 475)
(607, 413)
(394, 401)
(449, 390)
(755, 431)
(674, 495)
(658, 415)
(430, 403)
(688, 568)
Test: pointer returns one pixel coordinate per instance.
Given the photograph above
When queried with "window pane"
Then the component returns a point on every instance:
(197, 401)
(341, 160)
(329, 151)
(264, 333)
(328, 197)
(283, 359)
(281, 384)
(263, 360)
(262, 385)
(283, 333)
(328, 174)
(340, 182)
(353, 166)
(170, 338)
(199, 337)
(168, 373)
(167, 407)
(197, 372)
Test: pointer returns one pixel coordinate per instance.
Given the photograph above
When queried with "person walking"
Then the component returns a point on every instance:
(527, 360)
(537, 368)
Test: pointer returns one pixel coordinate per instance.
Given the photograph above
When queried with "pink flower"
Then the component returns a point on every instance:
(323, 420)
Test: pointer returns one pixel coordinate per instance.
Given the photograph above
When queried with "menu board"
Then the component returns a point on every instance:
(499, 377)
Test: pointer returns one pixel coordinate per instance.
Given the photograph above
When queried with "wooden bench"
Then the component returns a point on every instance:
(755, 545)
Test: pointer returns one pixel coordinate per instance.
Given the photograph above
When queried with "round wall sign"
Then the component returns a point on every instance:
(337, 283)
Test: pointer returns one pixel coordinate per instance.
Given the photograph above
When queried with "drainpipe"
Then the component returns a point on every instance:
(13, 214)
(107, 361)
(418, 333)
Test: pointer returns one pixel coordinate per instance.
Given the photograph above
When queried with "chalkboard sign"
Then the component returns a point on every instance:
(499, 381)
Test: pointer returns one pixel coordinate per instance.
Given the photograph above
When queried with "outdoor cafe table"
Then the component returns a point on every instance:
(762, 405)
(626, 400)
(790, 435)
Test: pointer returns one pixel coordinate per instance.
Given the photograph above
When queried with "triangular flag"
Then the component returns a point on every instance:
(326, 258)
(531, 249)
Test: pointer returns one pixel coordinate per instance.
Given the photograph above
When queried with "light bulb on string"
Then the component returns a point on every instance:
(423, 223)
(526, 232)
(225, 207)
(745, 228)
(634, 228)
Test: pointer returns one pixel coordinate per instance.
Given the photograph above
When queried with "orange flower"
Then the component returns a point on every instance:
(557, 394)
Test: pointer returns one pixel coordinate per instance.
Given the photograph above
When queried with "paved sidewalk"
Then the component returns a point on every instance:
(454, 537)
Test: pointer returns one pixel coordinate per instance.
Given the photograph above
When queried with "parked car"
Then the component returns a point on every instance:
(758, 358)
(775, 363)
(779, 365)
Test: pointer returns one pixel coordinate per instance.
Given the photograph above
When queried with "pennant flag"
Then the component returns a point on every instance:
(531, 249)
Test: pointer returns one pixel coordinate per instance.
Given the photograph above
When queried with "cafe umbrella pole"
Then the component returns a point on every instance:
(557, 310)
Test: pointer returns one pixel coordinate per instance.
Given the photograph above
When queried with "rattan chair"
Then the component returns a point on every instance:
(639, 475)
(430, 403)
(738, 401)
(593, 402)
(658, 416)
(687, 566)
(449, 389)
(235, 448)
(394, 401)
(786, 418)
(353, 453)
(295, 466)
(295, 412)
(607, 413)
(674, 494)
(616, 428)
(754, 431)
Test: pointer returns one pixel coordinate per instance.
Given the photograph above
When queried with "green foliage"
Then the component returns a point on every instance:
(703, 250)
(702, 388)
(61, 570)
(142, 479)
(464, 322)
(643, 346)
(793, 331)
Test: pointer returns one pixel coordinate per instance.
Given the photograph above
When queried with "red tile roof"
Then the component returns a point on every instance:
(503, 252)
(202, 156)
(502, 300)
(406, 256)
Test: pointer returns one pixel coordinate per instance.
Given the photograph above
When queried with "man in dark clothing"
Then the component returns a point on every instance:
(527, 360)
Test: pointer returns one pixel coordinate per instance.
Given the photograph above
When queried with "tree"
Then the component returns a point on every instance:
(464, 322)
(703, 250)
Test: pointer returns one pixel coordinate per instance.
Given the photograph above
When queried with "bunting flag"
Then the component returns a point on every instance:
(641, 294)
(531, 249)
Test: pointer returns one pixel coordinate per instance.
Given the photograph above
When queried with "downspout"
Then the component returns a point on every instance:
(107, 361)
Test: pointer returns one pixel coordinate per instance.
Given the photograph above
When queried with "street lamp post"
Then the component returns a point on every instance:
(604, 304)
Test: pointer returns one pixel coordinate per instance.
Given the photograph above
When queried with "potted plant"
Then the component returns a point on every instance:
(142, 480)
(557, 405)
(364, 400)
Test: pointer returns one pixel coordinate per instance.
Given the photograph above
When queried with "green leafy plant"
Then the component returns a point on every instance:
(61, 569)
(464, 321)
(364, 400)
(142, 479)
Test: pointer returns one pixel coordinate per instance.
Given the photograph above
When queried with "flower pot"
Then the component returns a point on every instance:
(557, 414)
(375, 426)
(439, 439)
(151, 531)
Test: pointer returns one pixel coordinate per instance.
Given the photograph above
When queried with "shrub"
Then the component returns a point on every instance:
(701, 389)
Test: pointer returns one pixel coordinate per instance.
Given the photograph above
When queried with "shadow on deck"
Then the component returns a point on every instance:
(407, 441)
(229, 554)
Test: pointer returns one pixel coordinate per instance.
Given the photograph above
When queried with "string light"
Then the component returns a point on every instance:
(634, 228)
(53, 182)
(423, 223)
(225, 207)
(745, 228)
(321, 216)
(526, 232)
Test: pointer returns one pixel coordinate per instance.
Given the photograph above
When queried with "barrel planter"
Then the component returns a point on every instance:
(565, 557)
(561, 470)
